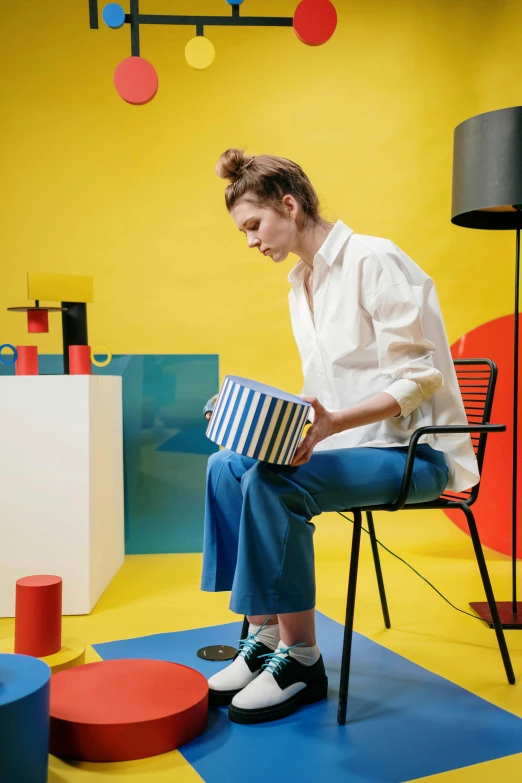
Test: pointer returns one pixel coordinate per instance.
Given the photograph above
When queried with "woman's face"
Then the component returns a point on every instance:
(265, 229)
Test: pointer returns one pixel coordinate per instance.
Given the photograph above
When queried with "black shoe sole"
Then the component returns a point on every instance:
(221, 698)
(313, 692)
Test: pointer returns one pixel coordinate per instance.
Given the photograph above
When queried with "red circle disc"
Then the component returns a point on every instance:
(126, 709)
(136, 80)
(315, 21)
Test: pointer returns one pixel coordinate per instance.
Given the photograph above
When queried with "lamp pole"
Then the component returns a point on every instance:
(487, 194)
(518, 208)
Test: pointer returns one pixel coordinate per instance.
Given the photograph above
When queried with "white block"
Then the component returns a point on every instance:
(61, 484)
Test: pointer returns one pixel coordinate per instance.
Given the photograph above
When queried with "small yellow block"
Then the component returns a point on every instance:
(59, 288)
(71, 654)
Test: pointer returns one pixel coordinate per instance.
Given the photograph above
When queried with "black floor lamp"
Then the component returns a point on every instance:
(487, 194)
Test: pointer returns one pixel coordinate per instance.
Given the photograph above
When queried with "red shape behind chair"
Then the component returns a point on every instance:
(38, 615)
(126, 709)
(493, 509)
(27, 362)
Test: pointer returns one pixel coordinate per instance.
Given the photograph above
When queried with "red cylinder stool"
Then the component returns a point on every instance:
(38, 616)
(80, 360)
(126, 709)
(27, 363)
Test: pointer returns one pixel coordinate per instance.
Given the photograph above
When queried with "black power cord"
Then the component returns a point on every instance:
(474, 616)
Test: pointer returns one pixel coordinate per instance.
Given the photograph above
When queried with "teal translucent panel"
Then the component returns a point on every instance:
(164, 444)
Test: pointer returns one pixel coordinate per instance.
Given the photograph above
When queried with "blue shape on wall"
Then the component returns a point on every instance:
(113, 16)
(165, 449)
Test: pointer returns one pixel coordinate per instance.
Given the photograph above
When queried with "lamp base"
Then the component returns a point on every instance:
(508, 618)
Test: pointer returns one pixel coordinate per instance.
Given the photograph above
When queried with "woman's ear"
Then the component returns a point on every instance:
(290, 204)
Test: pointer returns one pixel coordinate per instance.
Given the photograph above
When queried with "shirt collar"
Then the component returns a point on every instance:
(328, 251)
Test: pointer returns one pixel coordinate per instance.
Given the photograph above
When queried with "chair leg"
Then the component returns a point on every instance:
(348, 624)
(489, 594)
(244, 629)
(378, 571)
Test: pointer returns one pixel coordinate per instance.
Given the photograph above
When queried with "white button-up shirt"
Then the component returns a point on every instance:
(377, 326)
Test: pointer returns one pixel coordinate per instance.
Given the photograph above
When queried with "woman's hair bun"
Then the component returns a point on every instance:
(231, 163)
(266, 180)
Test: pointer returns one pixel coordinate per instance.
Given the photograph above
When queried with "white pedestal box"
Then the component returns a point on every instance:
(61, 484)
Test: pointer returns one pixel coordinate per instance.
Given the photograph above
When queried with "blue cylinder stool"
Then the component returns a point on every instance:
(24, 719)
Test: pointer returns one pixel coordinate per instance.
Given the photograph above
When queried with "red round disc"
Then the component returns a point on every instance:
(126, 709)
(136, 80)
(315, 21)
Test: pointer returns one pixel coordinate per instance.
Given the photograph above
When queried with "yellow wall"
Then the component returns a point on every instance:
(92, 185)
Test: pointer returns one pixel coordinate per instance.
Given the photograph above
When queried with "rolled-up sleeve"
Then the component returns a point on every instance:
(405, 354)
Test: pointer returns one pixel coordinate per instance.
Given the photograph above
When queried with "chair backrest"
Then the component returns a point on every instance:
(477, 380)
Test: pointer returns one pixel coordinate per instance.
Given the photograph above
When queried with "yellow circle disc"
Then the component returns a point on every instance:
(72, 653)
(200, 52)
(101, 349)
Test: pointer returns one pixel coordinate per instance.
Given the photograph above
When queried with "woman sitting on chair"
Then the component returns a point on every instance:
(377, 366)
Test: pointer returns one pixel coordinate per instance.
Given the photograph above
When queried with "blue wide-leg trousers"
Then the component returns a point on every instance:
(258, 533)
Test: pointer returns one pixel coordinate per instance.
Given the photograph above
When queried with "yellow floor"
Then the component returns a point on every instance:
(160, 593)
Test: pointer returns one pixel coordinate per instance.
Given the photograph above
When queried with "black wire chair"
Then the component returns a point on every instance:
(477, 380)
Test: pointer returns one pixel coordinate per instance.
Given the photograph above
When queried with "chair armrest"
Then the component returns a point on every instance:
(449, 429)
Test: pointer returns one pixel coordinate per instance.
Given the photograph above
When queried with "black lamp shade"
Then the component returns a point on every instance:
(487, 170)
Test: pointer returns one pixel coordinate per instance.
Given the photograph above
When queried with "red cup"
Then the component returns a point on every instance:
(80, 360)
(27, 362)
(37, 321)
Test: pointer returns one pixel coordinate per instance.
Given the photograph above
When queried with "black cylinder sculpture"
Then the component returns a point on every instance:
(487, 194)
(74, 328)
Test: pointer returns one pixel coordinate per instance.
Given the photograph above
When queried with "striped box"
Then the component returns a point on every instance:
(258, 421)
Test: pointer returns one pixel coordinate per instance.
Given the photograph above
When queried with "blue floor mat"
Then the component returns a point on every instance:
(404, 722)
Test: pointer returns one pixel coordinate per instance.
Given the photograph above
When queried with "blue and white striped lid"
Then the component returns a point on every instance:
(258, 421)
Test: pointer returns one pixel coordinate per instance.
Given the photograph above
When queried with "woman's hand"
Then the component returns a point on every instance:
(322, 427)
(208, 410)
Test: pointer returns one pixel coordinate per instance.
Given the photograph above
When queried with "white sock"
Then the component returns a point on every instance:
(305, 655)
(237, 674)
(269, 635)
